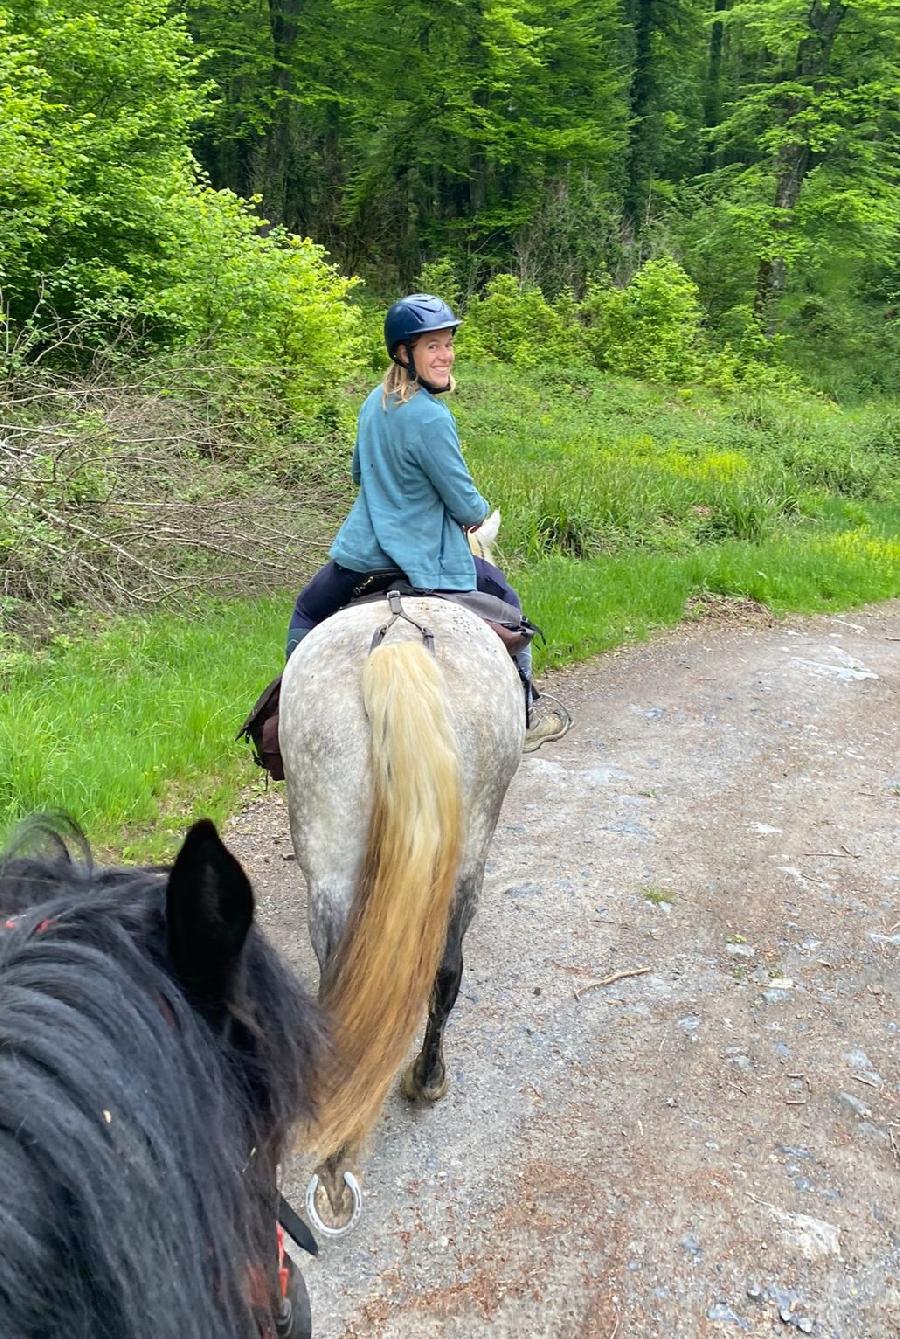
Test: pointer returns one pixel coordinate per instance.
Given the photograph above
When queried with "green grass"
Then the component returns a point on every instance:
(613, 467)
(132, 731)
(620, 502)
(658, 896)
(587, 607)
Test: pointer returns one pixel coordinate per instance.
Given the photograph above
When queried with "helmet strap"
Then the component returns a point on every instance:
(410, 361)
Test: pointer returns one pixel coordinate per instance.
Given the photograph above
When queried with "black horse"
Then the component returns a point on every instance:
(155, 1054)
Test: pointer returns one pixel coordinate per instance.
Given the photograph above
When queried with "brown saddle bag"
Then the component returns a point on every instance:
(261, 728)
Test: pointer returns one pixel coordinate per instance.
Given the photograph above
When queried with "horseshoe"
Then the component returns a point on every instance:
(352, 1185)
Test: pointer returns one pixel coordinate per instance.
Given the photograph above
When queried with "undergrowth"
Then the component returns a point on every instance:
(621, 503)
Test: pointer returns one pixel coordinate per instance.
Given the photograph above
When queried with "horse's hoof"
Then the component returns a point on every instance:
(330, 1219)
(411, 1086)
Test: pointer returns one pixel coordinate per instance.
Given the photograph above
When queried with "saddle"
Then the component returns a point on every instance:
(508, 622)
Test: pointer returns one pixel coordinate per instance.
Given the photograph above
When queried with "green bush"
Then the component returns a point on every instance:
(652, 328)
(269, 303)
(441, 277)
(106, 226)
(514, 323)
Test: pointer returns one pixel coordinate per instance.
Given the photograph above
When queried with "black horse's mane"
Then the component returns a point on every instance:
(129, 1126)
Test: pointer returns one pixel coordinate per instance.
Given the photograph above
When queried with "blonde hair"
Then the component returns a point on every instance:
(397, 386)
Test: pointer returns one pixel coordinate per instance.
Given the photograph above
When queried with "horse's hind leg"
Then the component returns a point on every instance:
(333, 1196)
(425, 1080)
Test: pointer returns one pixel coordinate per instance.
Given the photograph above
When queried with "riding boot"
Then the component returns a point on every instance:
(545, 717)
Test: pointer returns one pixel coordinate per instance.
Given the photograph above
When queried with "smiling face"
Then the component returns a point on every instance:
(433, 355)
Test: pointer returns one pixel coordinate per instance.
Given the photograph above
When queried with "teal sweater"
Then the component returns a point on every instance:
(415, 494)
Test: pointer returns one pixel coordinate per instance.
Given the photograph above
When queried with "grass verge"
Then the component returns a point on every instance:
(132, 732)
(620, 502)
(589, 606)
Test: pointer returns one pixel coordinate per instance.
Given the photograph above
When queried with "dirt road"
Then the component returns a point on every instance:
(711, 1147)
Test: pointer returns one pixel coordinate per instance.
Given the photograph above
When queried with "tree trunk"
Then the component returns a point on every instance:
(792, 167)
(641, 157)
(794, 156)
(283, 17)
(712, 101)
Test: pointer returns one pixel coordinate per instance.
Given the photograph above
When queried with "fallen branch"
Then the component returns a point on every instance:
(608, 980)
(836, 855)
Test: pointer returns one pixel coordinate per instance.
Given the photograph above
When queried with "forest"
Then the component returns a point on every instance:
(670, 226)
(753, 144)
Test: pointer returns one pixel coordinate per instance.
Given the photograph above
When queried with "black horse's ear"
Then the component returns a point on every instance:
(209, 911)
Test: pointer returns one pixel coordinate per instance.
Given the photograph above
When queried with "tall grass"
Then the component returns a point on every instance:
(611, 467)
(587, 607)
(619, 502)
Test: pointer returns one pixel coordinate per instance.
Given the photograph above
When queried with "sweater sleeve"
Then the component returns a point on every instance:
(354, 464)
(441, 458)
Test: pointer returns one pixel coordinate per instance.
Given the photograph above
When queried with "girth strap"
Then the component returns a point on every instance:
(396, 609)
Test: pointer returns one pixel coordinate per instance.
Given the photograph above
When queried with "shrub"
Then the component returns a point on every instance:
(515, 323)
(107, 225)
(652, 328)
(269, 303)
(441, 277)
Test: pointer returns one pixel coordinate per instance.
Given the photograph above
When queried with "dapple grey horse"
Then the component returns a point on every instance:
(396, 760)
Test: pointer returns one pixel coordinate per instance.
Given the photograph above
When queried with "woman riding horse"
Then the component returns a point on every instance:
(401, 727)
(416, 496)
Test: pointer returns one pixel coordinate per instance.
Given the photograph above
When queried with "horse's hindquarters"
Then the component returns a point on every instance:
(325, 734)
(396, 764)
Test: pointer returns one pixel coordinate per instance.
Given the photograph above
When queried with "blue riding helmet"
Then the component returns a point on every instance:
(413, 316)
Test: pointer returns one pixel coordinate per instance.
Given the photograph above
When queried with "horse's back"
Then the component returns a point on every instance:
(322, 709)
(325, 735)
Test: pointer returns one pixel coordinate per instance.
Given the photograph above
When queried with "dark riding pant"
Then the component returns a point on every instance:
(329, 590)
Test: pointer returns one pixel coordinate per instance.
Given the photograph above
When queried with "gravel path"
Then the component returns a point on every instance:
(711, 1147)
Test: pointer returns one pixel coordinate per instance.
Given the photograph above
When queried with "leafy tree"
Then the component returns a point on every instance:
(753, 141)
(814, 134)
(110, 99)
(108, 220)
(663, 40)
(397, 132)
(29, 186)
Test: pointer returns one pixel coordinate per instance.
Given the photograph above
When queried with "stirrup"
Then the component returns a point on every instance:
(556, 723)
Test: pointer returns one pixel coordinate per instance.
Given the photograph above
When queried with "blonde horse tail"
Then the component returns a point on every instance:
(381, 975)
